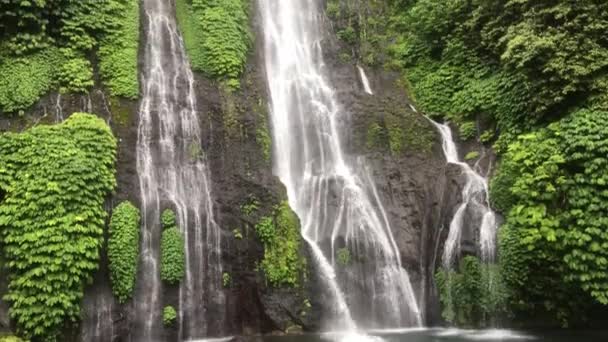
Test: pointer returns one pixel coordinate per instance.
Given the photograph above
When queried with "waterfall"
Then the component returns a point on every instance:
(475, 200)
(173, 173)
(97, 324)
(332, 193)
(365, 81)
(58, 109)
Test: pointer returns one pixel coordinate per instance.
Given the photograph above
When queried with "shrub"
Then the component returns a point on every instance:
(172, 260)
(226, 279)
(24, 79)
(552, 184)
(118, 50)
(344, 256)
(10, 339)
(56, 179)
(221, 51)
(280, 235)
(472, 296)
(123, 249)
(169, 315)
(168, 219)
(76, 72)
(471, 155)
(467, 130)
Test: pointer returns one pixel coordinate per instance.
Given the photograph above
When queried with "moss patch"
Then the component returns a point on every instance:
(280, 235)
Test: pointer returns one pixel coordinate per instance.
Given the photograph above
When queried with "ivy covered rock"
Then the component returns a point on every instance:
(169, 315)
(280, 235)
(55, 180)
(554, 188)
(474, 295)
(172, 259)
(123, 249)
(222, 50)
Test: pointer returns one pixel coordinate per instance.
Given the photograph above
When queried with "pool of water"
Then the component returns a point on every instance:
(441, 335)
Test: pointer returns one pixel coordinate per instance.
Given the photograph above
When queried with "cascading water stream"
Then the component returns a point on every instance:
(365, 81)
(332, 193)
(475, 198)
(173, 174)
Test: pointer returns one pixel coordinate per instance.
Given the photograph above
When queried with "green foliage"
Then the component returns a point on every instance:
(473, 295)
(344, 257)
(10, 339)
(357, 24)
(216, 35)
(168, 219)
(26, 78)
(172, 258)
(518, 62)
(375, 136)
(486, 136)
(399, 131)
(76, 72)
(123, 249)
(471, 155)
(266, 229)
(553, 185)
(280, 235)
(262, 137)
(55, 180)
(226, 279)
(46, 43)
(237, 234)
(467, 130)
(250, 207)
(119, 48)
(169, 315)
(347, 35)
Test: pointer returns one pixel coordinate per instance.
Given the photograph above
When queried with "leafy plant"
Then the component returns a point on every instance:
(471, 155)
(226, 279)
(118, 50)
(344, 256)
(552, 185)
(48, 43)
(172, 259)
(168, 219)
(26, 78)
(280, 235)
(55, 180)
(169, 315)
(222, 51)
(251, 206)
(473, 295)
(467, 130)
(10, 339)
(123, 249)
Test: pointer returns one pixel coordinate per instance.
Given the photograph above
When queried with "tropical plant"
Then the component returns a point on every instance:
(172, 259)
(169, 315)
(55, 180)
(123, 249)
(280, 235)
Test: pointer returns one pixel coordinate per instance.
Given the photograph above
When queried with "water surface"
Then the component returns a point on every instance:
(447, 335)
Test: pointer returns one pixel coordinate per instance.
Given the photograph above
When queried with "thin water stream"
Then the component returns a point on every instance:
(474, 210)
(173, 173)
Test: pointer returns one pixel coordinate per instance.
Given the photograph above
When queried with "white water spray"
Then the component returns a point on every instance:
(332, 193)
(173, 173)
(365, 81)
(475, 199)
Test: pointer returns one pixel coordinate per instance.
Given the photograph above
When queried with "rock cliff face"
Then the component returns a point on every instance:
(419, 191)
